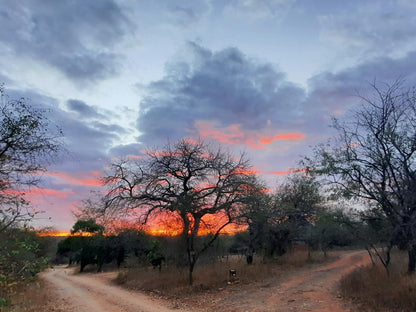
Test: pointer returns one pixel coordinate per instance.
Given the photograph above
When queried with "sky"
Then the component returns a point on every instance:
(262, 77)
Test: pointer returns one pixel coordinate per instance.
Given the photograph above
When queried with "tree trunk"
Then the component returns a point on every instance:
(191, 271)
(412, 259)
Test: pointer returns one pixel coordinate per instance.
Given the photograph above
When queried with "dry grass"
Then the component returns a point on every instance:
(32, 297)
(173, 282)
(372, 289)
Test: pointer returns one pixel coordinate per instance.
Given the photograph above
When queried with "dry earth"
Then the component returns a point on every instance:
(307, 289)
(90, 292)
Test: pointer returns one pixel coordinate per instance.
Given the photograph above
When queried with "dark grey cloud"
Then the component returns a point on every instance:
(76, 37)
(87, 141)
(225, 88)
(109, 128)
(82, 109)
(338, 91)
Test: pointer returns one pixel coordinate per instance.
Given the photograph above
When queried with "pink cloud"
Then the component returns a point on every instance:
(88, 180)
(234, 135)
(35, 192)
(285, 136)
(49, 192)
(288, 171)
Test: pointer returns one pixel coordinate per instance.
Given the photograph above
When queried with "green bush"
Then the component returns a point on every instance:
(20, 260)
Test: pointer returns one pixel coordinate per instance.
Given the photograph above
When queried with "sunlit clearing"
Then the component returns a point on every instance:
(62, 234)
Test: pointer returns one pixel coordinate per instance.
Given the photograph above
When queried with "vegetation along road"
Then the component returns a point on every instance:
(308, 289)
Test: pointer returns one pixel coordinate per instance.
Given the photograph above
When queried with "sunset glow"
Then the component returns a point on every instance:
(288, 171)
(88, 179)
(233, 134)
(165, 224)
(34, 192)
(61, 234)
(169, 224)
(261, 79)
(285, 136)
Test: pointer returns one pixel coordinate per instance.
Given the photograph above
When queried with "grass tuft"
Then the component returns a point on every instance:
(372, 289)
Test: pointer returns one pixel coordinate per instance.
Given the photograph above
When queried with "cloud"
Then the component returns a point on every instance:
(290, 171)
(82, 109)
(224, 95)
(234, 135)
(128, 150)
(189, 13)
(336, 92)
(375, 28)
(75, 37)
(86, 178)
(86, 144)
(258, 9)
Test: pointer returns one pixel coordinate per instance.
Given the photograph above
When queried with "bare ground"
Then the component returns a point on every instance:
(307, 289)
(90, 292)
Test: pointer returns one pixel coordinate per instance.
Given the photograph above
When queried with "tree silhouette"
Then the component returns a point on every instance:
(373, 158)
(191, 181)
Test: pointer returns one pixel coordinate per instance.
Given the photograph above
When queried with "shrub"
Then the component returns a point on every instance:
(20, 260)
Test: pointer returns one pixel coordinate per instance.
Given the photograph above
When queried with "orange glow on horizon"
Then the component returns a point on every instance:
(163, 224)
(169, 224)
(61, 234)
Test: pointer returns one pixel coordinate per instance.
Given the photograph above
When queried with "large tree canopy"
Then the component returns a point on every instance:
(189, 180)
(373, 158)
(27, 143)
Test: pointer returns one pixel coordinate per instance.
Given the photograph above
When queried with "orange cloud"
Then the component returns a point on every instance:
(234, 135)
(285, 136)
(249, 171)
(41, 192)
(288, 171)
(89, 181)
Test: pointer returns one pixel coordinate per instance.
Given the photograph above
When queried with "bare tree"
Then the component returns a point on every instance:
(189, 180)
(27, 144)
(373, 158)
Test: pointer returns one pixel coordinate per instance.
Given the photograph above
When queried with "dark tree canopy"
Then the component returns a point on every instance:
(28, 142)
(276, 220)
(87, 226)
(373, 158)
(188, 179)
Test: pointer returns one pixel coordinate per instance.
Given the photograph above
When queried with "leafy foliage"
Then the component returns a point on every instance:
(277, 220)
(21, 258)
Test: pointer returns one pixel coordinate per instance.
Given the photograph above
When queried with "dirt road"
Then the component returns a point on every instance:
(91, 292)
(305, 290)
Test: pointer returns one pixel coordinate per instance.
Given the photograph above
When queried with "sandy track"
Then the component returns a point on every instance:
(308, 289)
(91, 292)
(316, 290)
